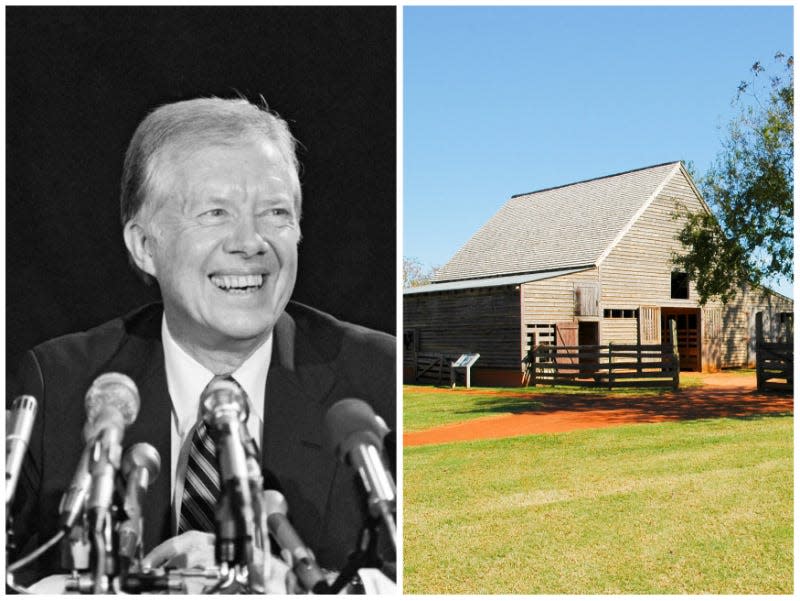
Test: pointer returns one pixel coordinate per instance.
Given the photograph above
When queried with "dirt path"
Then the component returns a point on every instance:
(721, 395)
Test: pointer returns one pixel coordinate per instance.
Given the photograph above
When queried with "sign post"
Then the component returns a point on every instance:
(467, 360)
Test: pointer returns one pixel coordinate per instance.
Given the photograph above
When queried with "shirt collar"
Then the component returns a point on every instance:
(186, 378)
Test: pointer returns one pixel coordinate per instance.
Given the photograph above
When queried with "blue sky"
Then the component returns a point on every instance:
(504, 100)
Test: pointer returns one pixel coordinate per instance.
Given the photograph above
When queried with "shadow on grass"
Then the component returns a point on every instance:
(502, 404)
(685, 404)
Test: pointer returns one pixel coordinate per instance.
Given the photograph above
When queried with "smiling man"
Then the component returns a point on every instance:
(211, 206)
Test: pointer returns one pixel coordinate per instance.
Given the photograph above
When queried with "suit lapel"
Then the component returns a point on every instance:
(294, 457)
(296, 389)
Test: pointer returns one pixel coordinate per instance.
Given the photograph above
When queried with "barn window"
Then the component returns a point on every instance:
(680, 285)
(620, 313)
(410, 340)
(540, 334)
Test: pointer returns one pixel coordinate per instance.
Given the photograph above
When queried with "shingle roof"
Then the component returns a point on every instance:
(557, 228)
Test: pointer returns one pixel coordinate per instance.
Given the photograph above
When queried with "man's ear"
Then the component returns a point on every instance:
(140, 247)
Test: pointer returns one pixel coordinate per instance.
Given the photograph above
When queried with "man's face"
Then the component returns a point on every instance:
(224, 232)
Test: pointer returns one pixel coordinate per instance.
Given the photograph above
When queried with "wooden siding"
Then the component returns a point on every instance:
(550, 301)
(553, 300)
(619, 331)
(738, 337)
(638, 270)
(480, 320)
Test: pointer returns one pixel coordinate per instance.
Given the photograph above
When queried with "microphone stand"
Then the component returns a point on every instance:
(365, 555)
(241, 530)
(256, 576)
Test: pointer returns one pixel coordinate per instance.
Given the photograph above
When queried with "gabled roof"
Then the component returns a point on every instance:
(565, 227)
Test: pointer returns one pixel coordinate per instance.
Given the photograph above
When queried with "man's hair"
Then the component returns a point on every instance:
(191, 124)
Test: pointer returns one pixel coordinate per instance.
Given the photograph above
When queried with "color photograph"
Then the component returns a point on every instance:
(597, 300)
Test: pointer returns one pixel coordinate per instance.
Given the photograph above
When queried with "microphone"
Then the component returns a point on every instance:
(256, 482)
(70, 509)
(225, 412)
(356, 435)
(141, 465)
(302, 559)
(112, 404)
(73, 499)
(390, 449)
(18, 434)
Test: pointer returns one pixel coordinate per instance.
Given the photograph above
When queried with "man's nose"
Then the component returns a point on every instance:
(245, 239)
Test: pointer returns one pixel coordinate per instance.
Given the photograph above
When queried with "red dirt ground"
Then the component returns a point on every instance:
(721, 395)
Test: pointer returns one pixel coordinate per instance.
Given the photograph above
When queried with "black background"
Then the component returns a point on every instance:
(80, 79)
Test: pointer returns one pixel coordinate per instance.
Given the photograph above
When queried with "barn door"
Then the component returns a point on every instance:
(567, 335)
(649, 325)
(711, 324)
(587, 300)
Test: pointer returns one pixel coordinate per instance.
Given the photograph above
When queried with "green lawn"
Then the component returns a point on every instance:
(690, 507)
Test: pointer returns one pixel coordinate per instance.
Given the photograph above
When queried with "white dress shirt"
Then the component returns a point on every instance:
(186, 380)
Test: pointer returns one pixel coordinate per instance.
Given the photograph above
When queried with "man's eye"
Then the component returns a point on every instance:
(277, 214)
(214, 213)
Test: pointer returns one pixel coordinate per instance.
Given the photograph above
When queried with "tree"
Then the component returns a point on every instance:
(749, 188)
(415, 273)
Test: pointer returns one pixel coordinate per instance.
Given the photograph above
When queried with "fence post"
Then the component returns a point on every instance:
(555, 363)
(759, 351)
(673, 334)
(610, 366)
(534, 361)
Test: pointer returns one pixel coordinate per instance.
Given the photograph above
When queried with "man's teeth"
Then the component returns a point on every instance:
(237, 282)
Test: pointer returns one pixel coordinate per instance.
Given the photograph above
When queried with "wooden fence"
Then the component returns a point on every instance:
(774, 361)
(614, 365)
(432, 368)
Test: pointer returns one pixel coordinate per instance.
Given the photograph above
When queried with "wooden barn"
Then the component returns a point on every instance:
(588, 263)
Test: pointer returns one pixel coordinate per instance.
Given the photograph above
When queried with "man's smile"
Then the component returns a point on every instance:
(238, 284)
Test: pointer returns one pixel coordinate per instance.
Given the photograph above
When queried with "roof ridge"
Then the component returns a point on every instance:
(592, 179)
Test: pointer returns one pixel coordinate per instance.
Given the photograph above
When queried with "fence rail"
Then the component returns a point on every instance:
(774, 366)
(774, 361)
(433, 368)
(614, 365)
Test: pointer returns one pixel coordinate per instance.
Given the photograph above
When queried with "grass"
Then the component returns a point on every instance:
(689, 507)
(428, 406)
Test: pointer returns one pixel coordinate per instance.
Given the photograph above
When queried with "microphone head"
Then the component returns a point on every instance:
(18, 434)
(275, 502)
(142, 455)
(223, 398)
(19, 419)
(113, 390)
(351, 422)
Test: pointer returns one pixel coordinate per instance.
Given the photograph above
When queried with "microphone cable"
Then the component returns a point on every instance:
(37, 552)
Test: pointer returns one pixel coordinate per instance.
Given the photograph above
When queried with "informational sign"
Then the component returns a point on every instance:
(466, 361)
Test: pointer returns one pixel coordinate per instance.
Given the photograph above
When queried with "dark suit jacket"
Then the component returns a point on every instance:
(316, 361)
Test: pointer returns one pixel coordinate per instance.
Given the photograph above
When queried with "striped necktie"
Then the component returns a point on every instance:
(201, 487)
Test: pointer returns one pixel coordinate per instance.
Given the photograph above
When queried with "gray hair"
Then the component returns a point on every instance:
(191, 123)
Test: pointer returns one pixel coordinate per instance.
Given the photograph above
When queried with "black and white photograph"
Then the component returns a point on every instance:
(201, 299)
